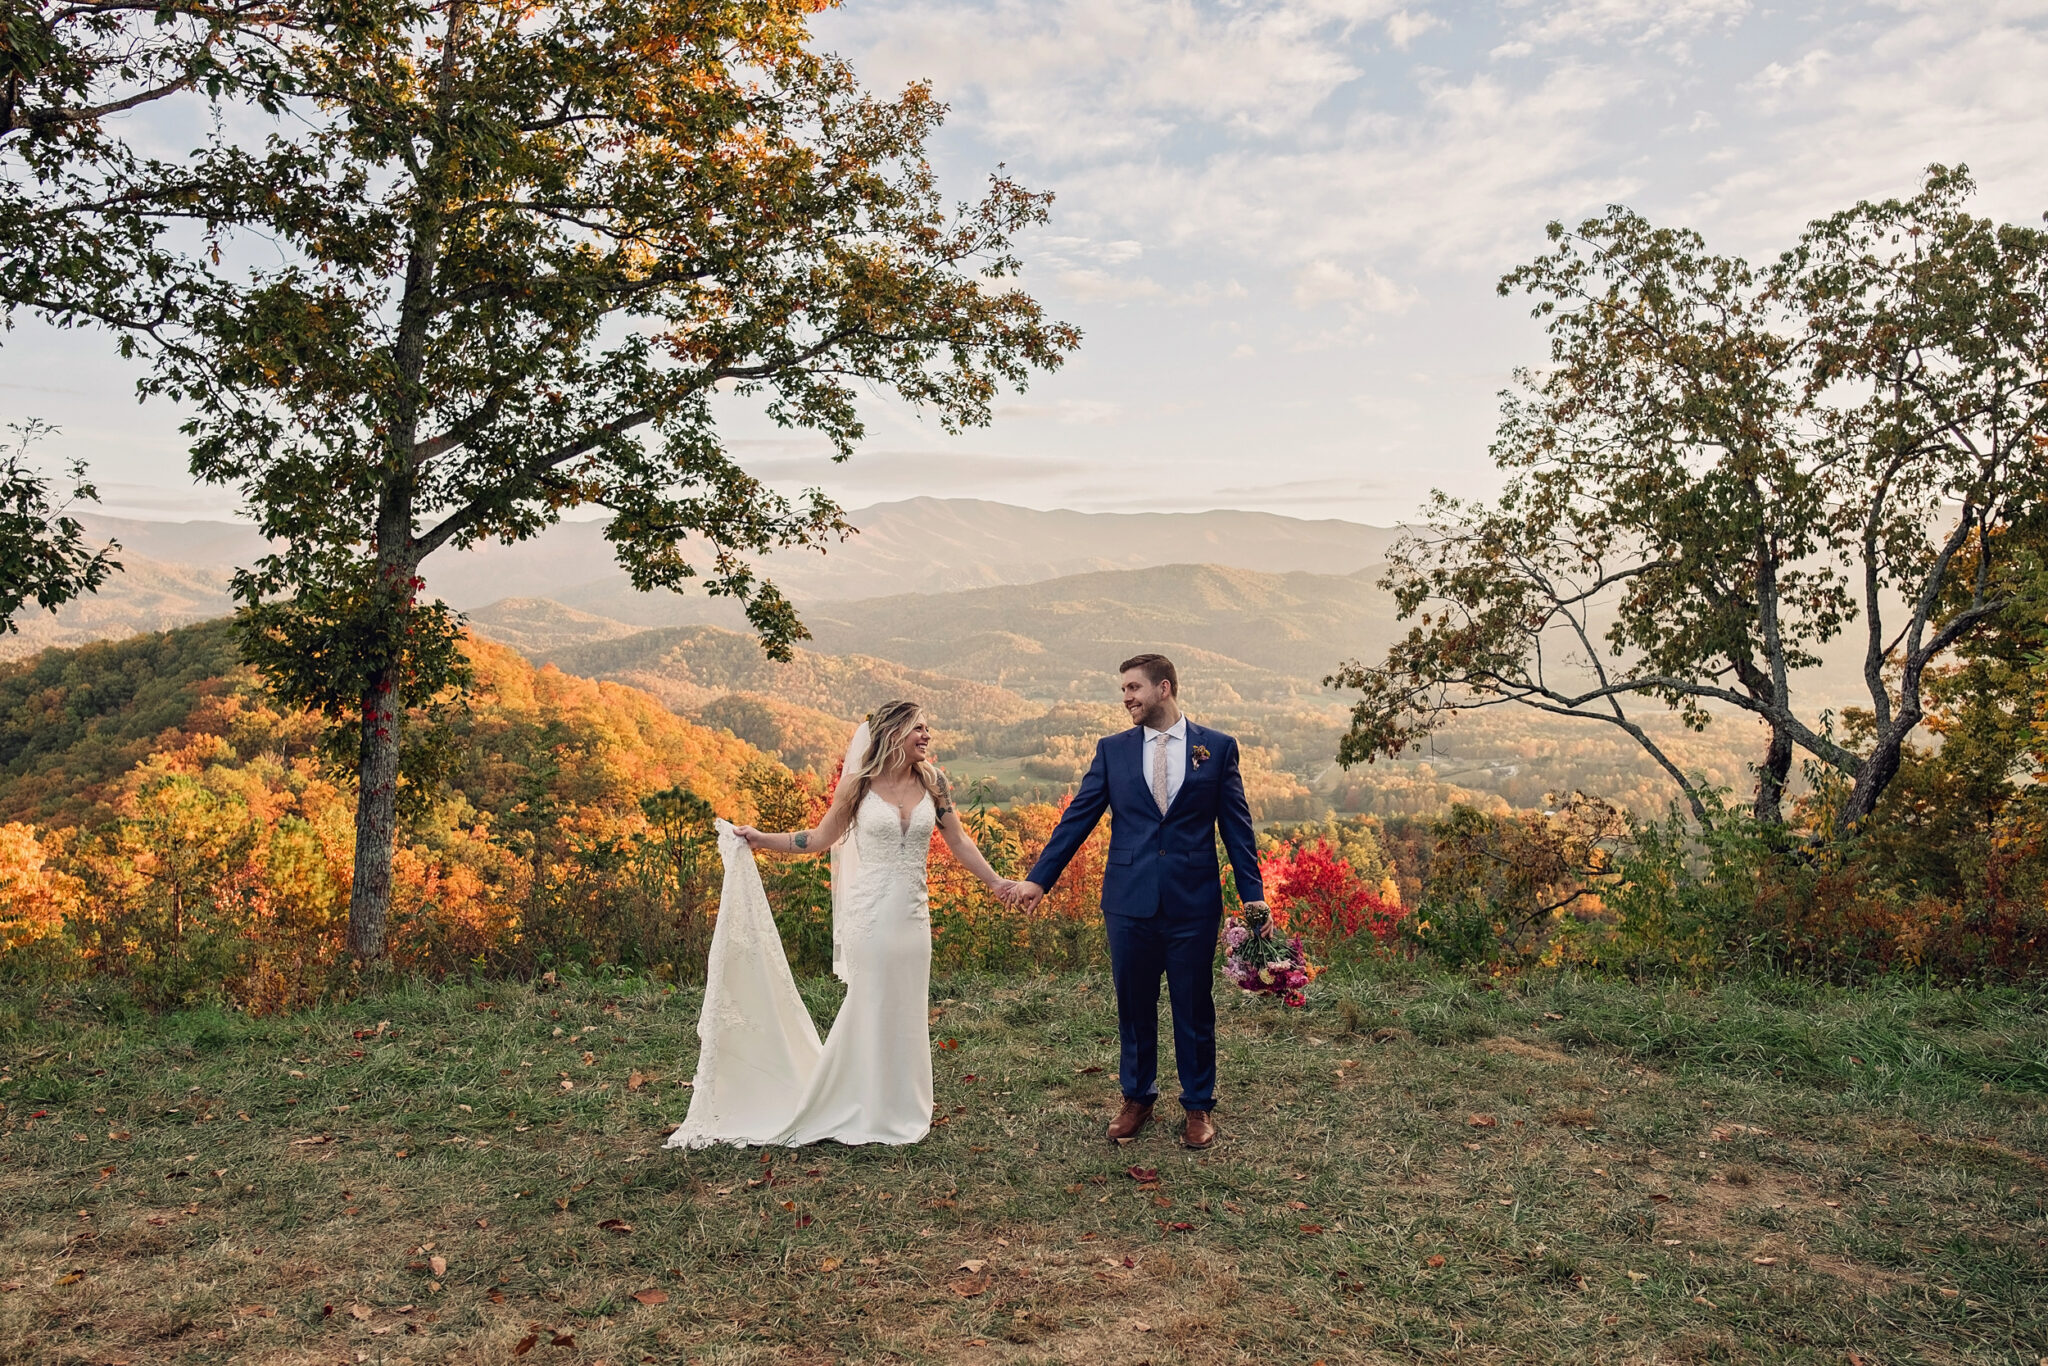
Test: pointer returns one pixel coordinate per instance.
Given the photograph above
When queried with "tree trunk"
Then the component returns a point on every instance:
(1771, 776)
(397, 553)
(369, 897)
(1881, 767)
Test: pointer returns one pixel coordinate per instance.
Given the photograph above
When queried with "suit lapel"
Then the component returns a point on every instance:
(1188, 765)
(1140, 796)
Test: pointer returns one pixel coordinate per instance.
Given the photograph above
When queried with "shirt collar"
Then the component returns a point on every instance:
(1177, 731)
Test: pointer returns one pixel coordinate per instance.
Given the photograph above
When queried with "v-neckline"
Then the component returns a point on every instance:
(902, 821)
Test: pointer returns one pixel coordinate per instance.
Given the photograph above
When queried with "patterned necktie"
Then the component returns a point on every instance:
(1159, 793)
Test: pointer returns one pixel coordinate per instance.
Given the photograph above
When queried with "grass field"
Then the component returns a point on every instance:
(1412, 1169)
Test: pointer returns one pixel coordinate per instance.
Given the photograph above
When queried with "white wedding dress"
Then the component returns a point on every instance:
(762, 1076)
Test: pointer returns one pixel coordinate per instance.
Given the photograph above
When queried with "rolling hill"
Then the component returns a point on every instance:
(690, 666)
(177, 572)
(1237, 635)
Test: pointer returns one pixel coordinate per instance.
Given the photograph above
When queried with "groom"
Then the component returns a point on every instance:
(1169, 784)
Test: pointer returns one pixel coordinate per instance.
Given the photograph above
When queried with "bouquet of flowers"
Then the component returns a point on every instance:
(1260, 963)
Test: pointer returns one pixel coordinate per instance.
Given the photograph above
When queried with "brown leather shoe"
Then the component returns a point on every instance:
(1135, 1115)
(1199, 1132)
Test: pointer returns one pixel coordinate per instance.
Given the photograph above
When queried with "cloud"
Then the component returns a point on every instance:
(1404, 28)
(1630, 22)
(1958, 81)
(1071, 412)
(1325, 282)
(1074, 78)
(1092, 285)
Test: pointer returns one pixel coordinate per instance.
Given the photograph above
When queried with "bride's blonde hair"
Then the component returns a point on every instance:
(888, 737)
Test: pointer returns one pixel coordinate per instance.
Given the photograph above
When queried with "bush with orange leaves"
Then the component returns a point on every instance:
(36, 897)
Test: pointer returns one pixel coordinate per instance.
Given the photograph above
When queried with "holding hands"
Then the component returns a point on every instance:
(1021, 896)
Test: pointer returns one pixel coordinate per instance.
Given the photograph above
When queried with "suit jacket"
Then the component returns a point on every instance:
(1161, 864)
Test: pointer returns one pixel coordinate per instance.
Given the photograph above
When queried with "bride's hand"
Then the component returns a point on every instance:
(755, 839)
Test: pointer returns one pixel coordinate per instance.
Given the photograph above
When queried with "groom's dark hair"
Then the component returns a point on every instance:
(1158, 669)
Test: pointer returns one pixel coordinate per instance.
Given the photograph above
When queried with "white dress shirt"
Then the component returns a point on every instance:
(1176, 739)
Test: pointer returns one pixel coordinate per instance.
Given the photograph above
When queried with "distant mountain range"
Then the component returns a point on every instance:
(178, 572)
(1007, 622)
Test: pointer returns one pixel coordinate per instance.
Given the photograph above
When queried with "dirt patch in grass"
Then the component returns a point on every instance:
(1530, 1052)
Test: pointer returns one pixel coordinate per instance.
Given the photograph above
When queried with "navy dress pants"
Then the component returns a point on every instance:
(1183, 950)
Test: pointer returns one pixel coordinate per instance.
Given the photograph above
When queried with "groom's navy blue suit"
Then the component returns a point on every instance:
(1162, 896)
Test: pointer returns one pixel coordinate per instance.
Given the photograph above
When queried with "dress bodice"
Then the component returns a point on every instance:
(892, 856)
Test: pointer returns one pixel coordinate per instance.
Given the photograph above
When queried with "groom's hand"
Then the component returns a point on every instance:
(1029, 894)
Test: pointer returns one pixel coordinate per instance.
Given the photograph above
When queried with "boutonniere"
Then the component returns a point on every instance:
(1199, 754)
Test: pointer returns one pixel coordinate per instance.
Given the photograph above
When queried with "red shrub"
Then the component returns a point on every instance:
(1315, 891)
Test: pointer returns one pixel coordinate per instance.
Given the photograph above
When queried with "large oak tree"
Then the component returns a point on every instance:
(497, 261)
(1721, 469)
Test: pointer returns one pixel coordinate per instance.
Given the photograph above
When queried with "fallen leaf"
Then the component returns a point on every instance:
(948, 1044)
(1552, 1015)
(615, 1226)
(312, 1142)
(831, 1264)
(651, 1297)
(439, 1264)
(1311, 1228)
(71, 1278)
(1296, 1204)
(1639, 1276)
(970, 1077)
(1143, 1173)
(635, 1080)
(1482, 1122)
(1702, 1299)
(361, 1311)
(1433, 1262)
(969, 1288)
(562, 1340)
(1765, 1261)
(1163, 1201)
(1138, 1327)
(1086, 1071)
(562, 1202)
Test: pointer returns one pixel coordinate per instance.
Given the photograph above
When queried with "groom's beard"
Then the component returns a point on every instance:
(1154, 716)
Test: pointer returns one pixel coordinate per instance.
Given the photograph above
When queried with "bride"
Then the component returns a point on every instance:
(762, 1076)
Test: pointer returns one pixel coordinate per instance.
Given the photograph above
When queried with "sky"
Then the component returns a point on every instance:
(1280, 223)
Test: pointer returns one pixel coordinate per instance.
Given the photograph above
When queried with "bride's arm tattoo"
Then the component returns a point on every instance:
(942, 799)
(801, 839)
